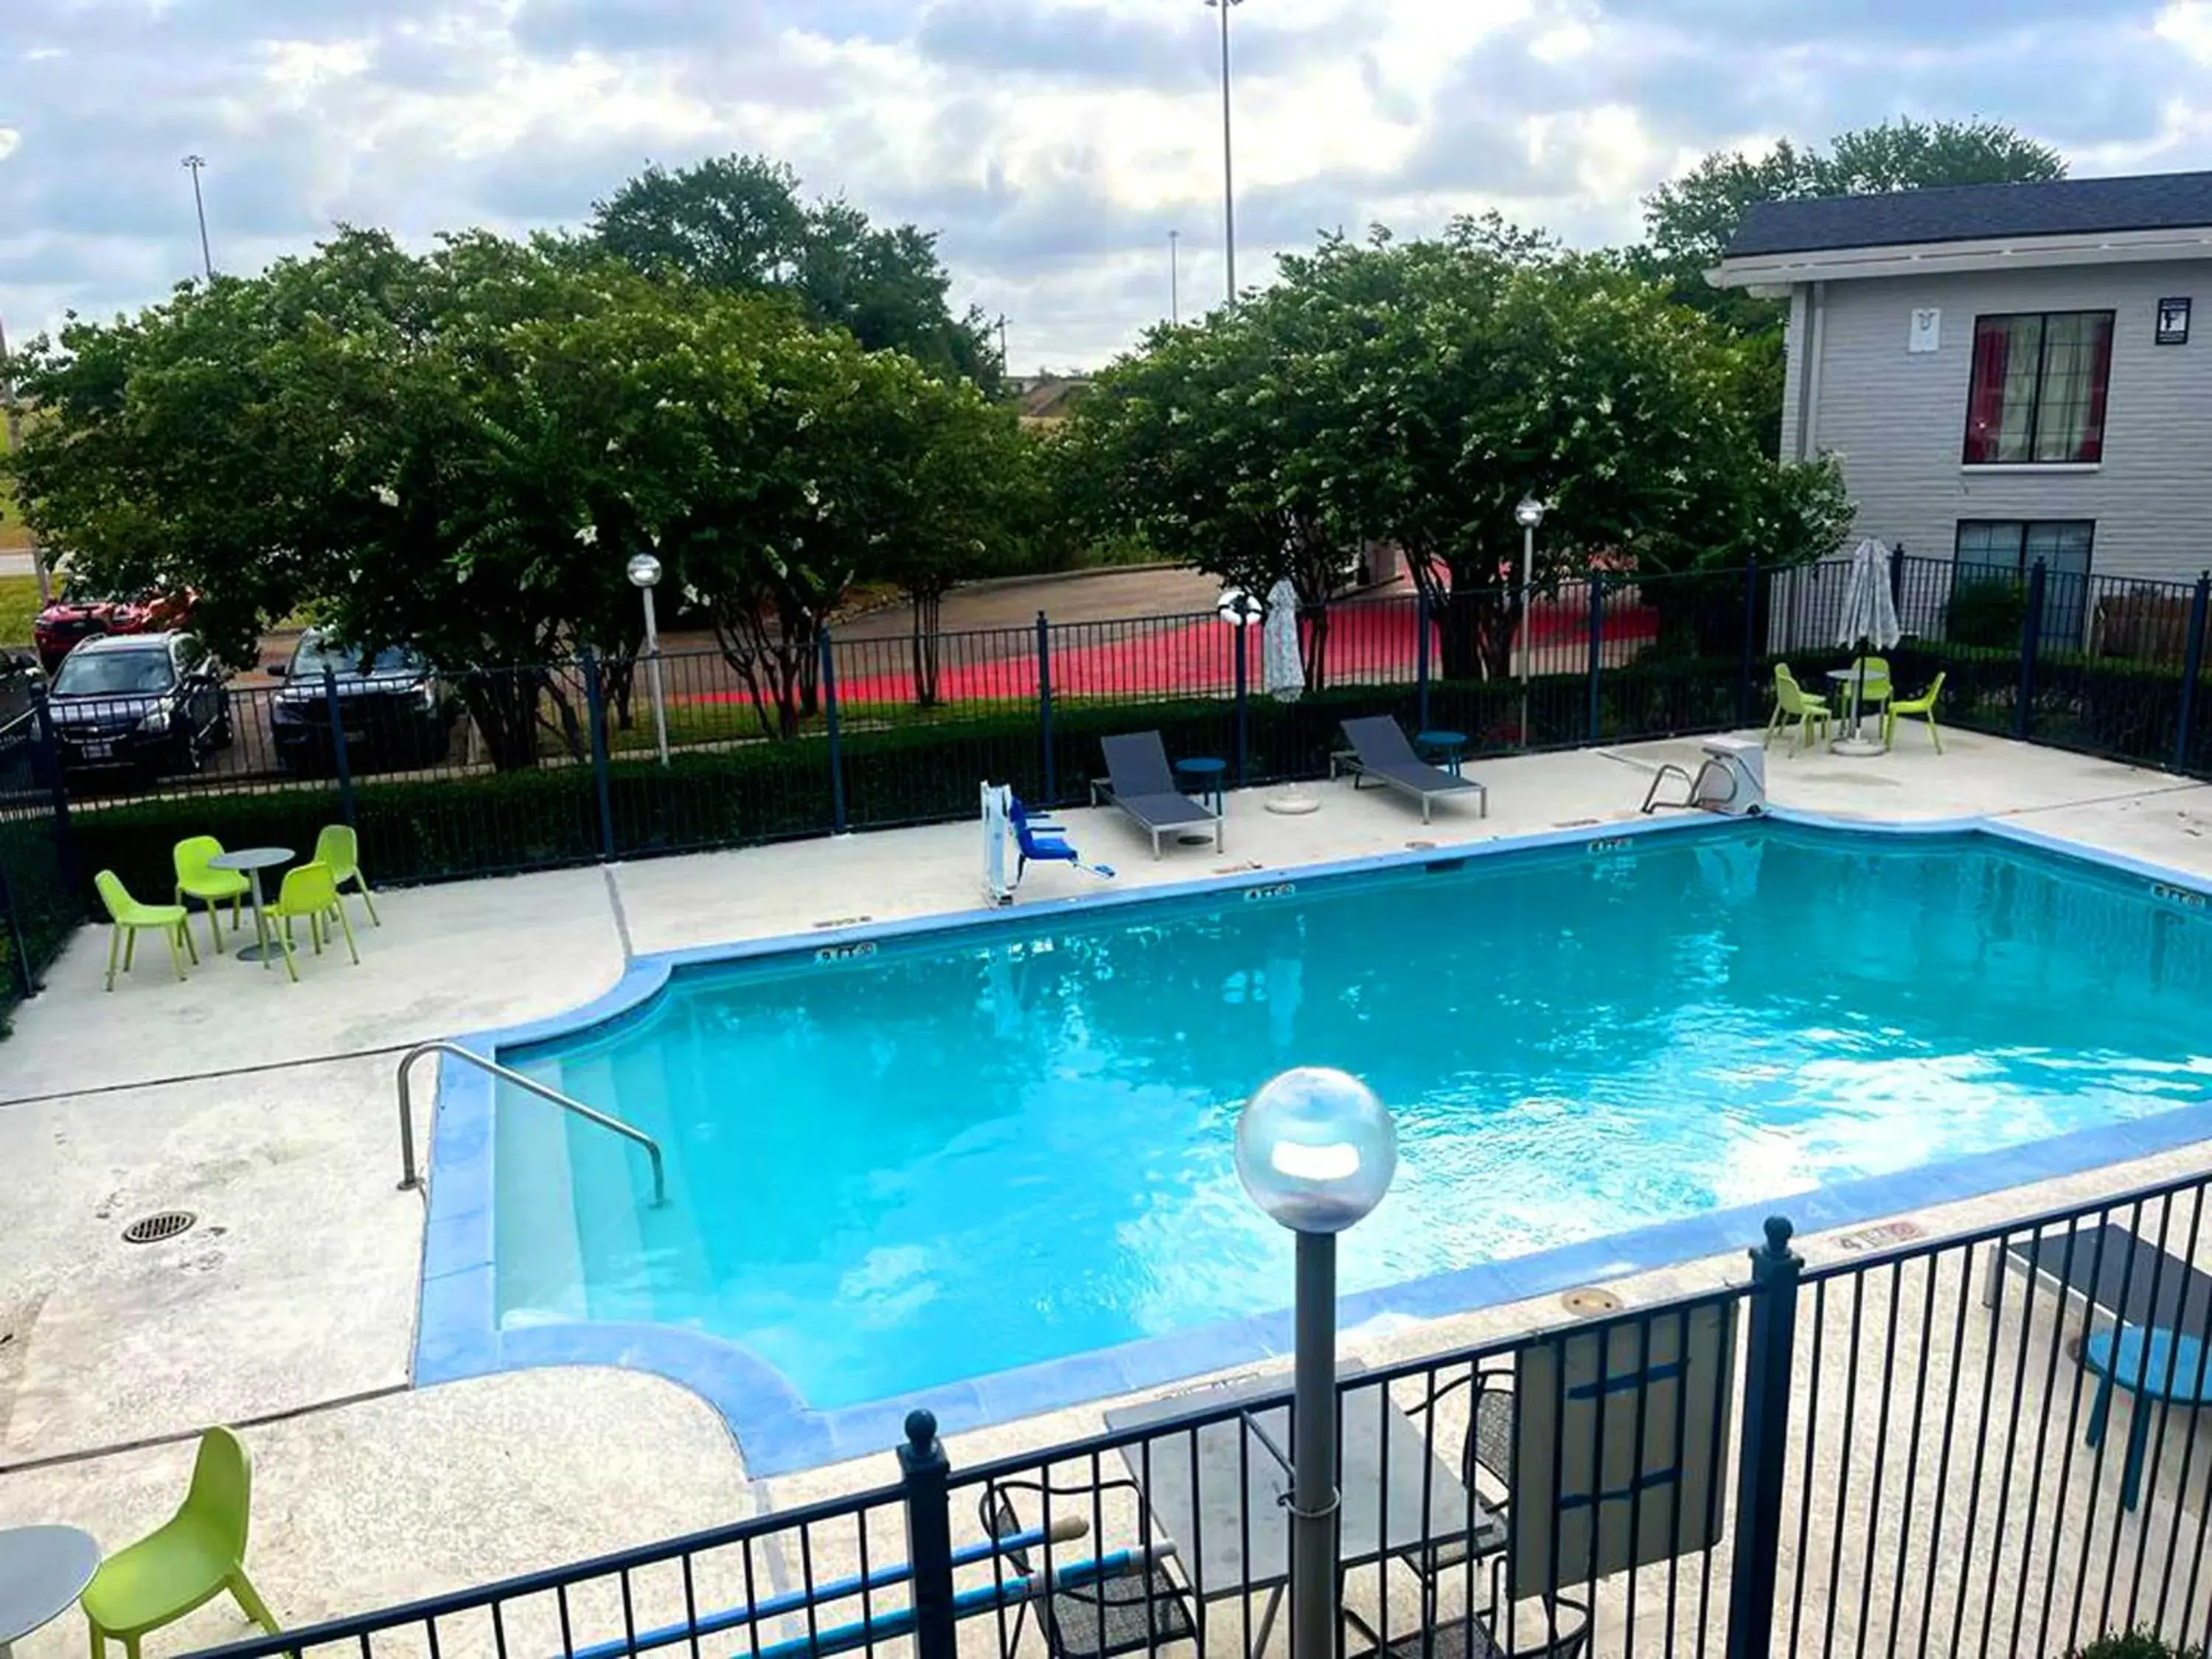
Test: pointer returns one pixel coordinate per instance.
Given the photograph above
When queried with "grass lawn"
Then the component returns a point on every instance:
(19, 602)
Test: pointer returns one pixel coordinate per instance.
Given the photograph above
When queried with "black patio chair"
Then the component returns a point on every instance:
(1133, 1613)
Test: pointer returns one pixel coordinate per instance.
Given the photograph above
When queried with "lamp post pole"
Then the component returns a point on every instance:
(193, 164)
(644, 572)
(1529, 515)
(1316, 1150)
(1228, 154)
(14, 429)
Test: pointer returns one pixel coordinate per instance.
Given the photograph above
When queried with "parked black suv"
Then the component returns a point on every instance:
(153, 702)
(395, 711)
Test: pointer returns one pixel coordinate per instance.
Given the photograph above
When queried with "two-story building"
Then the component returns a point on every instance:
(2007, 372)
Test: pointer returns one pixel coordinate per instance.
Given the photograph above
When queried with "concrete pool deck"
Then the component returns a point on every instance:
(289, 1307)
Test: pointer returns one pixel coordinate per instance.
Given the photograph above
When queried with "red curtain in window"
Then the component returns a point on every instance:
(1986, 396)
(2092, 447)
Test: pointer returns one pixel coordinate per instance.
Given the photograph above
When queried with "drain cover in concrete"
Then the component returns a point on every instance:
(1590, 1302)
(152, 1229)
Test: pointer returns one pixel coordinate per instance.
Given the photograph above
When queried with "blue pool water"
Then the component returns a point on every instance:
(978, 1150)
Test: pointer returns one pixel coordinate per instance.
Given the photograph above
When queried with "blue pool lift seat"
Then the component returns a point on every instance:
(1039, 842)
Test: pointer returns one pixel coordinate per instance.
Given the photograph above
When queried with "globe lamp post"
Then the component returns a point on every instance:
(644, 571)
(1316, 1150)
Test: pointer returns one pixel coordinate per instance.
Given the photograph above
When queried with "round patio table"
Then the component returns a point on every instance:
(1858, 742)
(42, 1570)
(252, 861)
(1443, 748)
(2152, 1365)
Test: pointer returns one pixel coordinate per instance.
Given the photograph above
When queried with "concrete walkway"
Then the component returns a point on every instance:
(267, 1110)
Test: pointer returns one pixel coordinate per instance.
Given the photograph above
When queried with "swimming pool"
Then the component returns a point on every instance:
(905, 1163)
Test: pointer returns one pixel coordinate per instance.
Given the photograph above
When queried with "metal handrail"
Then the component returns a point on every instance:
(410, 1179)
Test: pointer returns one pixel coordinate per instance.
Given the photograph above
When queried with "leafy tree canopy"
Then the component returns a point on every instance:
(1416, 391)
(737, 223)
(1689, 221)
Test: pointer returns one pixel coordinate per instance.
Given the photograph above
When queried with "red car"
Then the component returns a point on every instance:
(66, 622)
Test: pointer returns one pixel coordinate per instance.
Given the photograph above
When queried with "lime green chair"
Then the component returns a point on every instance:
(196, 1556)
(1792, 704)
(197, 879)
(1923, 705)
(131, 918)
(310, 894)
(1875, 689)
(340, 848)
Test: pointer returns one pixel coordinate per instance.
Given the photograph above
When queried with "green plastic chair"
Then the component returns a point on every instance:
(1923, 705)
(197, 879)
(339, 848)
(131, 918)
(1791, 703)
(311, 895)
(1876, 688)
(195, 1557)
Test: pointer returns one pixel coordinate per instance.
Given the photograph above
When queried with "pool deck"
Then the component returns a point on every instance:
(289, 1307)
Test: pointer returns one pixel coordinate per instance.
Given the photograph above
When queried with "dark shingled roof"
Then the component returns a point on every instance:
(1966, 213)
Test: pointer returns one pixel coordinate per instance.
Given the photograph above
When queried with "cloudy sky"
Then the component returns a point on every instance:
(1054, 143)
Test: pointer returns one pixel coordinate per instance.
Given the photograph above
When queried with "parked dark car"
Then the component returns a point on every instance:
(396, 711)
(67, 622)
(20, 676)
(151, 702)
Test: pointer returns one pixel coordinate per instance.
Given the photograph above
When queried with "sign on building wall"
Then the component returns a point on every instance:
(1927, 332)
(2174, 322)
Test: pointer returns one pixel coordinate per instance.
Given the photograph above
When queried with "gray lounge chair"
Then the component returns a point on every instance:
(2119, 1274)
(1139, 782)
(1379, 750)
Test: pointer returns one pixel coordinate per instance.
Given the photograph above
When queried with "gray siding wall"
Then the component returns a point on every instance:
(1897, 421)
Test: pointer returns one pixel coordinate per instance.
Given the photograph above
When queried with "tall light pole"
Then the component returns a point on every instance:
(1174, 278)
(193, 164)
(1316, 1150)
(644, 572)
(1228, 154)
(1527, 515)
(14, 429)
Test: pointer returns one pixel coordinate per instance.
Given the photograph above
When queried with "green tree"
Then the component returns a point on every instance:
(1689, 221)
(459, 453)
(736, 223)
(1415, 391)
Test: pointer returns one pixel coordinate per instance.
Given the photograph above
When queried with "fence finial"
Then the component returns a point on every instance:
(921, 1433)
(1779, 1231)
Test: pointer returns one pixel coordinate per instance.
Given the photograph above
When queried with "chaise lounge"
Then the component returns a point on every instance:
(1139, 782)
(1380, 750)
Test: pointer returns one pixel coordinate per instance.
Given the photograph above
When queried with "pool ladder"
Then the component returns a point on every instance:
(410, 1179)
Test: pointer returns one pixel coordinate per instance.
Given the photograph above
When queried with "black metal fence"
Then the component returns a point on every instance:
(1915, 1449)
(572, 762)
(39, 902)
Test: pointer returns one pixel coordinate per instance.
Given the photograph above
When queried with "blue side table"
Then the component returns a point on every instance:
(1445, 748)
(2152, 1366)
(1206, 773)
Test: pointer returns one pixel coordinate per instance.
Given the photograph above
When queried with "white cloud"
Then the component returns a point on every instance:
(1053, 142)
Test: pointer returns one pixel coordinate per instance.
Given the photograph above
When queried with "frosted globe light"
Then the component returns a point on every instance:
(1315, 1149)
(644, 570)
(1529, 514)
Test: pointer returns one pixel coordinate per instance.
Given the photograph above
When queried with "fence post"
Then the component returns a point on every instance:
(595, 709)
(50, 758)
(1243, 702)
(338, 743)
(1421, 659)
(2030, 636)
(1597, 651)
(1743, 682)
(1770, 1347)
(22, 955)
(2192, 666)
(923, 1472)
(1044, 705)
(836, 735)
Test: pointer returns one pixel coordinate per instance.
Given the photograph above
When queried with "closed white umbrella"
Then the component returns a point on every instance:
(1869, 622)
(1283, 668)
